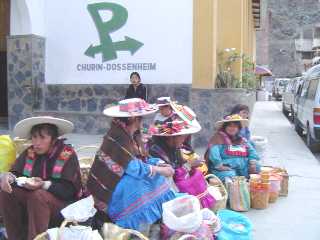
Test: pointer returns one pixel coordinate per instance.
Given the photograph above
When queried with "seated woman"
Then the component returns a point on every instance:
(229, 154)
(129, 190)
(168, 144)
(53, 178)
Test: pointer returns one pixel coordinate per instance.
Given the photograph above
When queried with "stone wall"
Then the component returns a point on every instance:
(286, 19)
(28, 95)
(212, 105)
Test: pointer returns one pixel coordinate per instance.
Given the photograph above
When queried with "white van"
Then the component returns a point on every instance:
(288, 97)
(279, 87)
(307, 116)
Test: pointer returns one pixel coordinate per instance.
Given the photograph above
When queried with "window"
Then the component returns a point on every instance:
(312, 89)
(304, 88)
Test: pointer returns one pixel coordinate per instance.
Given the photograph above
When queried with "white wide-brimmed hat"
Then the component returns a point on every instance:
(232, 118)
(23, 128)
(133, 107)
(183, 122)
(163, 101)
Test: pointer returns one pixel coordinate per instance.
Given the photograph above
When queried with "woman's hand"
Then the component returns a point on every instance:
(164, 170)
(34, 183)
(223, 168)
(252, 167)
(197, 163)
(6, 180)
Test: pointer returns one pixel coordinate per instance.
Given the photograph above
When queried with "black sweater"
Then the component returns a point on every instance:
(140, 92)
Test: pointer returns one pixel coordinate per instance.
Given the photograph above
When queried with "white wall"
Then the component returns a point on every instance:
(27, 17)
(163, 26)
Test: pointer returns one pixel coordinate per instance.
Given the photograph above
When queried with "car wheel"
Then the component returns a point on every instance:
(297, 127)
(284, 111)
(312, 145)
(292, 114)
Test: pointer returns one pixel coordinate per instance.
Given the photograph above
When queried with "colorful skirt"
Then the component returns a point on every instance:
(136, 203)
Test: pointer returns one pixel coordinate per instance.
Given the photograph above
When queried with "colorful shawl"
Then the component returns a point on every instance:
(59, 155)
(117, 150)
(221, 138)
(159, 148)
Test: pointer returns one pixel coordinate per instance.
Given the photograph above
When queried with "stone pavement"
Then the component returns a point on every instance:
(298, 215)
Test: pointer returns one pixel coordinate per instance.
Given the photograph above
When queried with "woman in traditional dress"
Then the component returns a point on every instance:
(129, 190)
(228, 153)
(44, 179)
(168, 143)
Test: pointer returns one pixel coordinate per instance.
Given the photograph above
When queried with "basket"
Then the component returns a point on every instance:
(21, 144)
(115, 232)
(45, 235)
(85, 162)
(220, 204)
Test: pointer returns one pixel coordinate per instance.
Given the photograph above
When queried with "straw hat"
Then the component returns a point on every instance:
(184, 122)
(232, 118)
(133, 107)
(163, 101)
(23, 128)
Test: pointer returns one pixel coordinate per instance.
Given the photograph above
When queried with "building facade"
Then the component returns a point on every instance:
(35, 86)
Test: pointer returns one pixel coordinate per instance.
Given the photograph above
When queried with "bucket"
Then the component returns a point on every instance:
(275, 186)
(259, 194)
(284, 182)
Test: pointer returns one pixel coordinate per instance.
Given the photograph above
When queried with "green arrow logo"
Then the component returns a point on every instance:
(107, 47)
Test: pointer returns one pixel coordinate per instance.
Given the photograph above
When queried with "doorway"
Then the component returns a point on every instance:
(4, 32)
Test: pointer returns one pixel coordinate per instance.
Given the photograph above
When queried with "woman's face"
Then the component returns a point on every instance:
(165, 110)
(138, 123)
(135, 80)
(244, 114)
(176, 141)
(232, 129)
(42, 142)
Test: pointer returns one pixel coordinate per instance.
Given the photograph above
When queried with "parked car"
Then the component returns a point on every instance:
(307, 116)
(296, 98)
(279, 87)
(288, 97)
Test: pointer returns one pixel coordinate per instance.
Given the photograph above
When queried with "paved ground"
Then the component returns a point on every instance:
(297, 216)
(294, 217)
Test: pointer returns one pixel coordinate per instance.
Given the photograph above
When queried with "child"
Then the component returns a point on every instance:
(244, 112)
(165, 111)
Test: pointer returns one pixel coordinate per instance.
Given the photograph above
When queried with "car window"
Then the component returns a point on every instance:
(304, 88)
(312, 89)
(283, 83)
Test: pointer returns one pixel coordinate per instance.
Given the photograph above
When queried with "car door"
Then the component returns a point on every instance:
(302, 101)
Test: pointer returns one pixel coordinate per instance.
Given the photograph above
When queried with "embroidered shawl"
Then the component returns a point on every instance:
(117, 150)
(58, 157)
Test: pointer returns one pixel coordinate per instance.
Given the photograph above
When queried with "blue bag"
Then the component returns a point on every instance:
(235, 226)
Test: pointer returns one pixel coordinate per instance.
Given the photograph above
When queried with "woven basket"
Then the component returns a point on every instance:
(222, 203)
(45, 235)
(118, 233)
(21, 144)
(86, 162)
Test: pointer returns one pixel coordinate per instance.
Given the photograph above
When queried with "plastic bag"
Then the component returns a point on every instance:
(7, 153)
(260, 144)
(74, 233)
(239, 195)
(182, 214)
(80, 211)
(235, 226)
(210, 219)
(203, 232)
